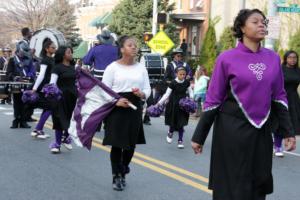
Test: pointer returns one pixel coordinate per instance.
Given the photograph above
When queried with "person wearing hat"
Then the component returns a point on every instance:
(177, 56)
(29, 60)
(100, 56)
(3, 66)
(4, 59)
(20, 67)
(23, 45)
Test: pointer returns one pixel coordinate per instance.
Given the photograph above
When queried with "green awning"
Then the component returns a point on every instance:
(107, 19)
(101, 20)
(95, 21)
(81, 50)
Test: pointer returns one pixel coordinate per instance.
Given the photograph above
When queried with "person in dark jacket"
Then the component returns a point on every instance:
(100, 56)
(20, 68)
(177, 61)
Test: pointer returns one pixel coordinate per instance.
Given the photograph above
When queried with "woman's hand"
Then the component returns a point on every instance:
(138, 93)
(290, 143)
(123, 102)
(197, 148)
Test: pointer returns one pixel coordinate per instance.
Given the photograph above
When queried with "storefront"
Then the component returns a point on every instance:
(192, 29)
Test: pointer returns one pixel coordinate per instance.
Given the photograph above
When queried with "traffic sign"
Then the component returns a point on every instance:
(293, 8)
(161, 43)
(281, 3)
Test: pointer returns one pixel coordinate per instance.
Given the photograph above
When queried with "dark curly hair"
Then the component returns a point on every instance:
(287, 55)
(60, 53)
(241, 19)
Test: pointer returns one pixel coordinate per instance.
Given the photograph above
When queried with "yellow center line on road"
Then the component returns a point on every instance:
(161, 171)
(97, 143)
(166, 165)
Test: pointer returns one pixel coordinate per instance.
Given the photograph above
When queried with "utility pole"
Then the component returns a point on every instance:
(154, 17)
(272, 12)
(242, 4)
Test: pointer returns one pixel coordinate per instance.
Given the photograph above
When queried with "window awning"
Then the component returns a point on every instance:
(81, 50)
(107, 18)
(189, 16)
(101, 20)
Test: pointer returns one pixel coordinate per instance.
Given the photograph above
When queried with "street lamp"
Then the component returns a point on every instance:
(272, 11)
(154, 17)
(242, 4)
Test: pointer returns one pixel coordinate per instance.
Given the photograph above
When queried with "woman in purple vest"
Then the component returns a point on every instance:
(247, 83)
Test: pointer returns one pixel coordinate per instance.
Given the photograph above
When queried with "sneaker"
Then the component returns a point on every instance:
(169, 138)
(278, 152)
(34, 133)
(54, 148)
(24, 125)
(180, 145)
(67, 143)
(39, 134)
(147, 123)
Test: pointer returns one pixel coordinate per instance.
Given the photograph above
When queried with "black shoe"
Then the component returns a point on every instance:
(2, 101)
(117, 183)
(31, 120)
(147, 123)
(123, 180)
(24, 125)
(15, 124)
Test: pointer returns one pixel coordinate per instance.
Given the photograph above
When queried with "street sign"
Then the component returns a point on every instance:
(273, 27)
(161, 43)
(282, 3)
(293, 8)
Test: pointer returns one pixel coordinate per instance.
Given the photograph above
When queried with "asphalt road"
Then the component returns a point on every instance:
(160, 171)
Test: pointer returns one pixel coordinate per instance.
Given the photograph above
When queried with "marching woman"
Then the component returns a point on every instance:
(43, 78)
(291, 73)
(64, 76)
(124, 126)
(247, 83)
(175, 117)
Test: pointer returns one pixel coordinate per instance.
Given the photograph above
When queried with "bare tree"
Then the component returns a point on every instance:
(30, 13)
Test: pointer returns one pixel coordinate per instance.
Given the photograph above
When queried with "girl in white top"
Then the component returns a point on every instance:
(175, 117)
(200, 87)
(43, 78)
(123, 126)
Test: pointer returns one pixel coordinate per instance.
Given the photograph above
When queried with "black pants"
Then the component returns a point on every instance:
(120, 159)
(19, 108)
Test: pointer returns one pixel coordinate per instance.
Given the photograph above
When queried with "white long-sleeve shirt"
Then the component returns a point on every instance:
(169, 91)
(40, 77)
(122, 78)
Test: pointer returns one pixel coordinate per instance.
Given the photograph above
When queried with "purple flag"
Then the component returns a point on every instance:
(95, 101)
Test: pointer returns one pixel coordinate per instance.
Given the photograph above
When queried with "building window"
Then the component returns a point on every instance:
(191, 4)
(179, 4)
(199, 4)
